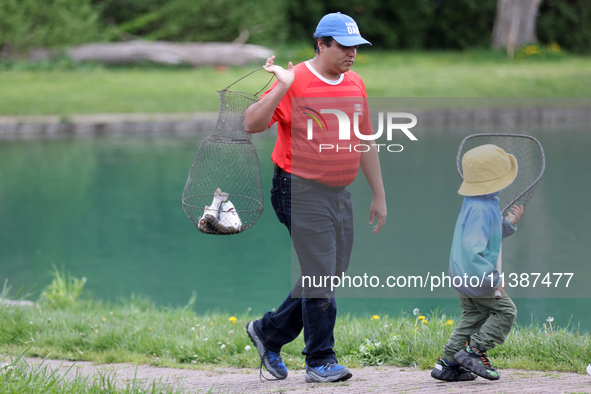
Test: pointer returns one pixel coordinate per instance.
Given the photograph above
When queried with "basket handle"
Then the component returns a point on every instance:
(252, 72)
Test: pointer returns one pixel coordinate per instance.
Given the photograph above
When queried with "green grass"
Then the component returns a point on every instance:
(62, 88)
(18, 377)
(135, 330)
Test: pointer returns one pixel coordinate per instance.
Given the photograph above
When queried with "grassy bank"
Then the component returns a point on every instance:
(137, 331)
(61, 87)
(63, 326)
(17, 376)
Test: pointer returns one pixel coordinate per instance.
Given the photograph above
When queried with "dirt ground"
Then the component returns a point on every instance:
(365, 380)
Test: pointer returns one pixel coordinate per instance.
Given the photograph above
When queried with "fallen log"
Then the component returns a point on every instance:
(196, 54)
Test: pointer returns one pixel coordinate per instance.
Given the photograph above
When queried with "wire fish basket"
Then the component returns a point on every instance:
(223, 193)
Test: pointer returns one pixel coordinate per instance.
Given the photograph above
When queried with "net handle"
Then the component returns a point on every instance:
(247, 75)
(534, 183)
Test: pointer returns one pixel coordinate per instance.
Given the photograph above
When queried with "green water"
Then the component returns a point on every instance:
(110, 209)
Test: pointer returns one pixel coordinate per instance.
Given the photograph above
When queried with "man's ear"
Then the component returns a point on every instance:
(321, 45)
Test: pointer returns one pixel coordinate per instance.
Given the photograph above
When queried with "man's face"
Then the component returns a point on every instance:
(338, 58)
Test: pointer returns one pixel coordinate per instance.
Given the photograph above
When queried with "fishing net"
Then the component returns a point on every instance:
(223, 193)
(531, 163)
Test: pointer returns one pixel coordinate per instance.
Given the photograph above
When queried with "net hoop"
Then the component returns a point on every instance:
(495, 135)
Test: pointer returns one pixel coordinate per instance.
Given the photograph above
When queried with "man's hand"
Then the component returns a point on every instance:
(282, 75)
(515, 214)
(370, 165)
(378, 209)
(258, 116)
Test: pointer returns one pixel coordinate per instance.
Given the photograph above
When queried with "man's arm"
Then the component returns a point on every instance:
(370, 165)
(258, 116)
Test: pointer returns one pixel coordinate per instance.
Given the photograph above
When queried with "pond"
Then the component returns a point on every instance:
(110, 209)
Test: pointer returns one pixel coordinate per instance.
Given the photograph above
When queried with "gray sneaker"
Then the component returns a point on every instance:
(475, 360)
(327, 373)
(450, 372)
(271, 360)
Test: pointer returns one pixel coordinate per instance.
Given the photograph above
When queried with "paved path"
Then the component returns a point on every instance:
(366, 380)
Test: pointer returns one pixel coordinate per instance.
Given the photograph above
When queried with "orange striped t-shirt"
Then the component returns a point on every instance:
(309, 143)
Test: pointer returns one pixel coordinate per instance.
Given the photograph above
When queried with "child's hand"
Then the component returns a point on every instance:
(515, 214)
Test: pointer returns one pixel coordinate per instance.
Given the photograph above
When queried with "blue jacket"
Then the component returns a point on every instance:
(476, 245)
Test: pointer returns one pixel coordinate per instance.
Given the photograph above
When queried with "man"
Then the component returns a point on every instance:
(309, 194)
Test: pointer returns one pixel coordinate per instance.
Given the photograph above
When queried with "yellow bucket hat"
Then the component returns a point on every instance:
(487, 169)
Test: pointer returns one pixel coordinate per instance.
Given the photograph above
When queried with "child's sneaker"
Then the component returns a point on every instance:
(589, 369)
(475, 360)
(450, 372)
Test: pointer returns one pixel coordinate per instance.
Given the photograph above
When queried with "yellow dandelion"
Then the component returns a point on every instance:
(375, 317)
(211, 323)
(233, 319)
(104, 319)
(425, 321)
(421, 318)
(449, 322)
(531, 50)
(149, 329)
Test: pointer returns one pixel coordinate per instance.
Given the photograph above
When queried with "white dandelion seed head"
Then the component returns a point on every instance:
(416, 311)
(247, 348)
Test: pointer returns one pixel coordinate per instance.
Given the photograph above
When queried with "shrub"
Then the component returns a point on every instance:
(206, 20)
(26, 24)
(566, 22)
(404, 24)
(461, 24)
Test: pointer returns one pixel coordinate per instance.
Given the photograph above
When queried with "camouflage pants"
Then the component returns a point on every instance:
(485, 322)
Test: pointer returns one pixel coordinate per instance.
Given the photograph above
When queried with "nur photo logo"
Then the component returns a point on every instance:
(344, 128)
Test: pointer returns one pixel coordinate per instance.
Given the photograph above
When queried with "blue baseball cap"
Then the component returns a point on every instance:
(342, 28)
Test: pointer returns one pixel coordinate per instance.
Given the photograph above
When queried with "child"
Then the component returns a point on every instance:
(475, 248)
